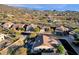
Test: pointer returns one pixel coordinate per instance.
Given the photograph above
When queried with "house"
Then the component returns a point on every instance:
(44, 43)
(45, 29)
(31, 27)
(61, 30)
(2, 37)
(10, 15)
(17, 26)
(4, 43)
(5, 40)
(49, 18)
(7, 25)
(42, 30)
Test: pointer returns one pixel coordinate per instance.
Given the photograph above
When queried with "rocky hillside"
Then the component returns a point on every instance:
(13, 14)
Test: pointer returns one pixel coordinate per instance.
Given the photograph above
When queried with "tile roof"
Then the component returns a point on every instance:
(44, 41)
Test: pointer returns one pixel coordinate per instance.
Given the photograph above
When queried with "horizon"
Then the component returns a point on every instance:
(59, 7)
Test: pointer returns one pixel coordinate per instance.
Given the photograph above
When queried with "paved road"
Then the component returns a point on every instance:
(70, 39)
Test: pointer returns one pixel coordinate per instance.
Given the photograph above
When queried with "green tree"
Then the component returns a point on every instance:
(22, 29)
(10, 51)
(32, 35)
(37, 29)
(76, 36)
(61, 49)
(76, 30)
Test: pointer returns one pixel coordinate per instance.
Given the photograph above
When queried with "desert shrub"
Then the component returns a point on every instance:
(21, 51)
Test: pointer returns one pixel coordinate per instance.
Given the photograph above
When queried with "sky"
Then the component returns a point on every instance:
(60, 7)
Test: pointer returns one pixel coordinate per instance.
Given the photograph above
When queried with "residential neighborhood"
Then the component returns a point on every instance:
(36, 32)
